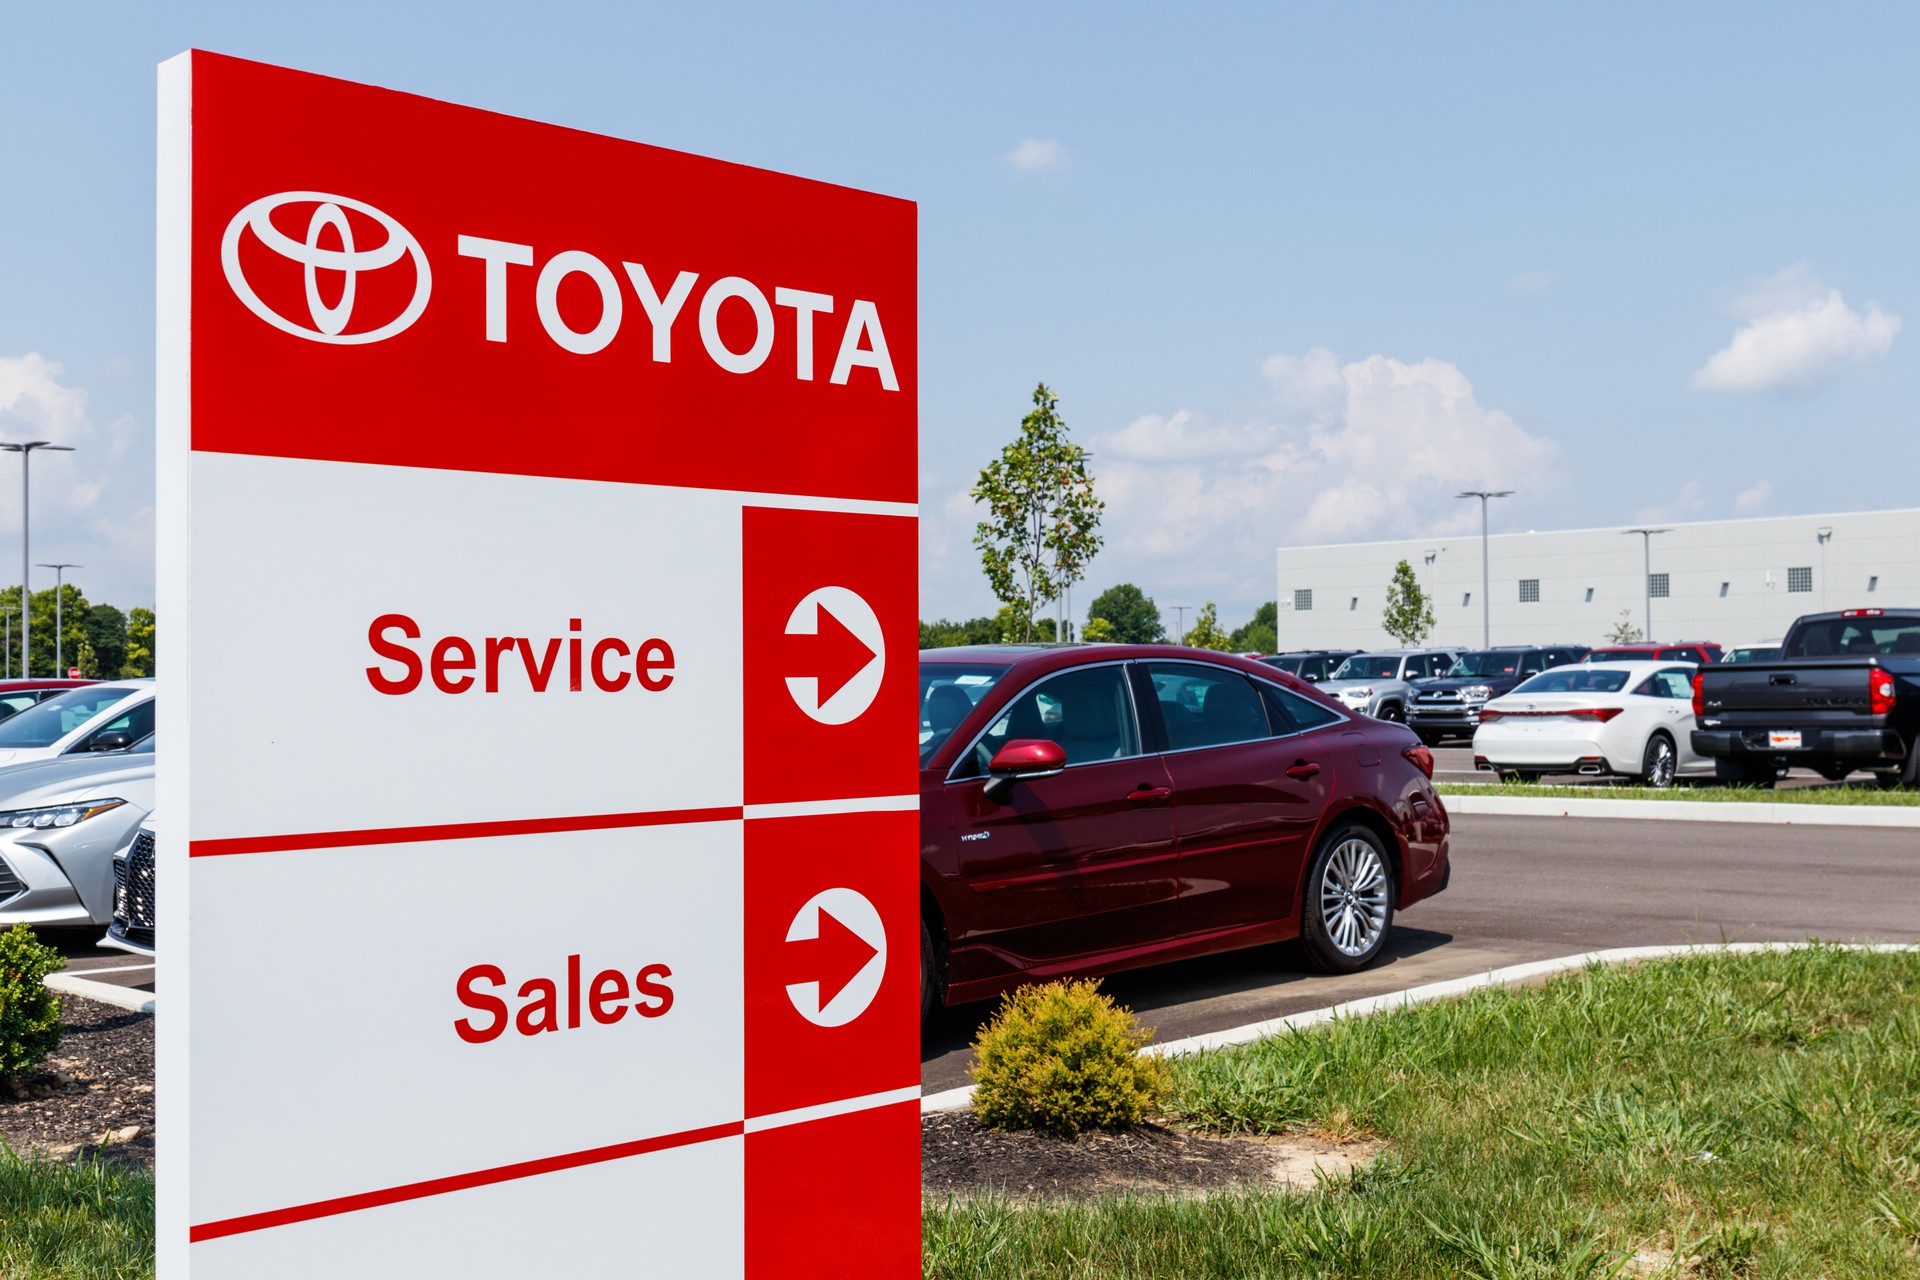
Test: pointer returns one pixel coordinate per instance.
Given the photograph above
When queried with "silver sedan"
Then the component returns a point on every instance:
(60, 823)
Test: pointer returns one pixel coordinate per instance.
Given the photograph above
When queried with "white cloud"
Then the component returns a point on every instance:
(1373, 448)
(1533, 281)
(78, 513)
(1751, 501)
(1687, 502)
(1037, 155)
(1797, 335)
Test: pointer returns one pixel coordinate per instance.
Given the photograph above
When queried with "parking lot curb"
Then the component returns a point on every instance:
(1760, 811)
(73, 984)
(1511, 975)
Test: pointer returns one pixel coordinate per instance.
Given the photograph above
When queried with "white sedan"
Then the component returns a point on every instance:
(1627, 719)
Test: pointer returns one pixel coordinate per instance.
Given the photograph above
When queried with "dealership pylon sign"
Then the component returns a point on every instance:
(538, 887)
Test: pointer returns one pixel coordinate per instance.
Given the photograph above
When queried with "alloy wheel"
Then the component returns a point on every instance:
(1353, 897)
(1660, 764)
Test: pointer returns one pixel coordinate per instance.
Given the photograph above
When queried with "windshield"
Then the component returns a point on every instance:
(54, 719)
(1865, 637)
(1365, 666)
(1573, 680)
(1753, 653)
(948, 692)
(1497, 662)
(1289, 665)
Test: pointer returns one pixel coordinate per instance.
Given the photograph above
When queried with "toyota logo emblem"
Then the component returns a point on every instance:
(323, 322)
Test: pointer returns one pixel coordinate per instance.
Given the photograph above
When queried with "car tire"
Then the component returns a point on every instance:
(1429, 737)
(1908, 775)
(928, 985)
(1659, 763)
(1735, 773)
(1517, 775)
(1349, 901)
(1393, 713)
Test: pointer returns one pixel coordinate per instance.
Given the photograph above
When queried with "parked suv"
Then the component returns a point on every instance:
(1376, 683)
(1450, 704)
(1311, 665)
(1694, 651)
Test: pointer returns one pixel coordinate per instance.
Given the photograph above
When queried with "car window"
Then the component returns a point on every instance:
(1288, 712)
(1313, 669)
(1575, 680)
(14, 702)
(136, 722)
(1205, 706)
(1292, 666)
(48, 722)
(1494, 662)
(1087, 711)
(1841, 637)
(1363, 666)
(948, 692)
(1666, 684)
(1678, 655)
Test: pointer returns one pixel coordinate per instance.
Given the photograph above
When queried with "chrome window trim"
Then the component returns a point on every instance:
(1139, 738)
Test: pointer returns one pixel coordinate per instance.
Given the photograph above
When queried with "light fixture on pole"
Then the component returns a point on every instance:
(1646, 548)
(59, 632)
(25, 449)
(1486, 590)
(1825, 535)
(1180, 622)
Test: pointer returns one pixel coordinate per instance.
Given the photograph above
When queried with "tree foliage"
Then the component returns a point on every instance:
(1130, 612)
(1206, 633)
(1262, 635)
(1098, 631)
(105, 632)
(140, 629)
(1408, 617)
(1043, 520)
(92, 637)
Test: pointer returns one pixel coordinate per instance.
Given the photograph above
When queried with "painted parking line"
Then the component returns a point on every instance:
(118, 968)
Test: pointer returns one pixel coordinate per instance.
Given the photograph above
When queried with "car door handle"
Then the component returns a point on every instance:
(1302, 769)
(1149, 795)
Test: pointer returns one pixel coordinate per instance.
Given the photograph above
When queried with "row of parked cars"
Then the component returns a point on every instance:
(1654, 711)
(76, 786)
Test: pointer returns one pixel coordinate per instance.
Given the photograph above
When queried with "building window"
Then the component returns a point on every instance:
(1800, 579)
(1873, 583)
(1589, 595)
(1723, 590)
(1302, 601)
(1529, 591)
(1353, 603)
(1657, 584)
(1466, 599)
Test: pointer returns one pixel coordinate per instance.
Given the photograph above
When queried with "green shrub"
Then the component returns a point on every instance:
(29, 1013)
(1062, 1056)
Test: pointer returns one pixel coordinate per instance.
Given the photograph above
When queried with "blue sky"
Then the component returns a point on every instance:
(1298, 273)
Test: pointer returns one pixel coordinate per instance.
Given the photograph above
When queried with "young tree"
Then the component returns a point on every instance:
(1043, 520)
(1098, 631)
(1624, 632)
(1206, 633)
(1408, 616)
(1130, 612)
(140, 641)
(1262, 635)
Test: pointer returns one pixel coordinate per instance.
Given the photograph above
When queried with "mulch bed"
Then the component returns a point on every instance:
(96, 1087)
(960, 1157)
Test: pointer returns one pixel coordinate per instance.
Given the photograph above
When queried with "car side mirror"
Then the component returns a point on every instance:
(1021, 760)
(115, 741)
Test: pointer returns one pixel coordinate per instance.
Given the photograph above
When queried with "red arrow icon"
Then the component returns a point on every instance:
(834, 655)
(833, 959)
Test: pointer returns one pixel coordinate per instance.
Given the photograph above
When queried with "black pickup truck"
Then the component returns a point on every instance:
(1843, 695)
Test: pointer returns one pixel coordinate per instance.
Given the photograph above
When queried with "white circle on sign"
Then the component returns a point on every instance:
(849, 699)
(844, 911)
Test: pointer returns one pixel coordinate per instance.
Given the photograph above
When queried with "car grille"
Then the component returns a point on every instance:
(1449, 696)
(10, 886)
(133, 889)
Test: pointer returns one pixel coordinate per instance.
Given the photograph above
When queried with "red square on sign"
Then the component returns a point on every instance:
(832, 959)
(836, 1199)
(832, 655)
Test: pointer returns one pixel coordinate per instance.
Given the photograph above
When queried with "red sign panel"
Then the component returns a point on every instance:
(581, 803)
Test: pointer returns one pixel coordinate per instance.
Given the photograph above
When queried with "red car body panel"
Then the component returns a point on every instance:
(1161, 856)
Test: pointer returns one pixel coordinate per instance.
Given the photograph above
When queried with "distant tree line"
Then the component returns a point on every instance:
(1122, 614)
(99, 639)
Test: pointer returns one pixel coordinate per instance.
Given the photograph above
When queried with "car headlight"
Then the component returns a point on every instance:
(58, 815)
(1476, 693)
(1362, 693)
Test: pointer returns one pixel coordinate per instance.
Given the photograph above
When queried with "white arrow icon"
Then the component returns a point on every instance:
(851, 634)
(846, 931)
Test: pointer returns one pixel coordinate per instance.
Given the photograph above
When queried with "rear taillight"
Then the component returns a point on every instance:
(1880, 692)
(1488, 717)
(1863, 613)
(1421, 757)
(1699, 694)
(1602, 714)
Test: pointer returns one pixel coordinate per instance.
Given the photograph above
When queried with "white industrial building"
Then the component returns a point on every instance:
(1726, 581)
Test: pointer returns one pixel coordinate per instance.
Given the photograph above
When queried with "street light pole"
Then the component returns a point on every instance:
(1646, 567)
(1180, 622)
(6, 644)
(25, 450)
(59, 631)
(1486, 585)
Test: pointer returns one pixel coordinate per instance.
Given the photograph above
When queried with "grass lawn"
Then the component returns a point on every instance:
(1720, 1116)
(1685, 790)
(59, 1222)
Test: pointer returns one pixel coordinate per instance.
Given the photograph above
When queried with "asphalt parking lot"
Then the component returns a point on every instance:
(1535, 888)
(87, 959)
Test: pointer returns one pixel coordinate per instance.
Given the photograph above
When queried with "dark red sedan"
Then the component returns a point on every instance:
(1091, 808)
